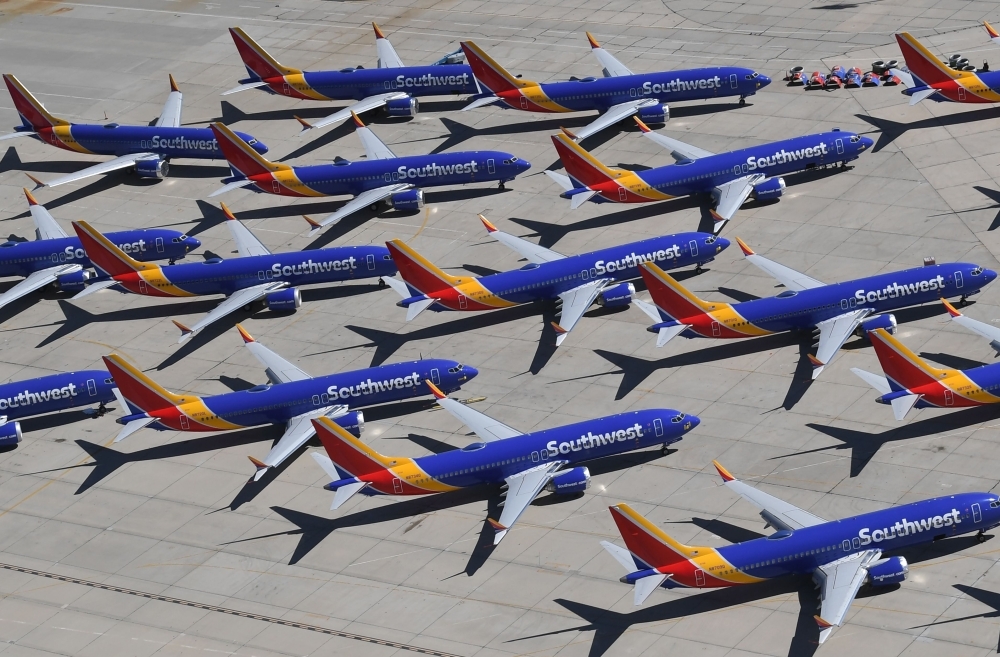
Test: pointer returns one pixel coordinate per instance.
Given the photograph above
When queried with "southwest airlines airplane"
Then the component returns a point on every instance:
(291, 397)
(55, 257)
(392, 85)
(928, 77)
(146, 148)
(256, 274)
(731, 178)
(575, 281)
(48, 394)
(834, 310)
(383, 176)
(619, 95)
(841, 555)
(910, 381)
(525, 463)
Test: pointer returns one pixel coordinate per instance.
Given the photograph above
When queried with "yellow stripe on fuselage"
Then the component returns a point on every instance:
(536, 95)
(962, 385)
(65, 135)
(288, 179)
(631, 181)
(298, 82)
(410, 472)
(199, 412)
(477, 292)
(728, 317)
(155, 278)
(975, 86)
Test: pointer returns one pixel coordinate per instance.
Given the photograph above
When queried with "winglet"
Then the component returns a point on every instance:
(33, 201)
(38, 183)
(989, 28)
(816, 362)
(184, 330)
(358, 123)
(642, 126)
(378, 33)
(568, 133)
(725, 474)
(312, 222)
(497, 527)
(490, 228)
(823, 624)
(594, 44)
(435, 390)
(305, 124)
(561, 333)
(257, 463)
(247, 338)
(226, 211)
(747, 251)
(952, 310)
(173, 82)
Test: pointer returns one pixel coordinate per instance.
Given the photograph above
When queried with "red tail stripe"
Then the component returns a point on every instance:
(578, 167)
(135, 391)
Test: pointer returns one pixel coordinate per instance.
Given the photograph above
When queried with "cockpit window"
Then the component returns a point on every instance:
(994, 504)
(506, 161)
(457, 368)
(977, 271)
(855, 139)
(252, 142)
(513, 159)
(711, 240)
(677, 418)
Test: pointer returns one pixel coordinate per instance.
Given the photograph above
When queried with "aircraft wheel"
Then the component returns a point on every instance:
(743, 101)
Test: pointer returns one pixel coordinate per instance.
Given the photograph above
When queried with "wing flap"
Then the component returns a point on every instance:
(575, 303)
(298, 431)
(614, 114)
(36, 280)
(777, 512)
(529, 250)
(246, 242)
(235, 301)
(370, 103)
(361, 201)
(793, 280)
(122, 162)
(839, 582)
(522, 488)
(833, 333)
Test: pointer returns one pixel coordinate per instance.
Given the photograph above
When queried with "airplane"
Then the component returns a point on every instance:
(731, 178)
(148, 149)
(926, 76)
(910, 382)
(524, 463)
(383, 176)
(841, 555)
(291, 397)
(392, 84)
(48, 394)
(575, 281)
(256, 274)
(619, 95)
(55, 257)
(833, 310)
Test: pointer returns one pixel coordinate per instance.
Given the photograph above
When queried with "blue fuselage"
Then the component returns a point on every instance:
(117, 140)
(360, 83)
(56, 392)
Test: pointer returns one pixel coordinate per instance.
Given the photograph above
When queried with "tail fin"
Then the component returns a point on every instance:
(903, 368)
(32, 112)
(923, 63)
(581, 165)
(104, 254)
(994, 36)
(351, 456)
(256, 59)
(649, 545)
(241, 157)
(139, 390)
(418, 271)
(673, 298)
(489, 73)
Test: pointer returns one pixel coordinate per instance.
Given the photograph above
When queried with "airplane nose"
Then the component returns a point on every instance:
(470, 372)
(693, 420)
(523, 165)
(721, 244)
(763, 81)
(192, 243)
(990, 275)
(260, 147)
(866, 143)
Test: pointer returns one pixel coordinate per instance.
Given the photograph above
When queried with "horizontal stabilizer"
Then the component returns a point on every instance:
(244, 87)
(581, 198)
(621, 555)
(95, 287)
(230, 187)
(668, 333)
(561, 179)
(345, 493)
(398, 286)
(480, 102)
(645, 586)
(880, 383)
(904, 77)
(649, 309)
(418, 307)
(134, 426)
(918, 96)
(902, 405)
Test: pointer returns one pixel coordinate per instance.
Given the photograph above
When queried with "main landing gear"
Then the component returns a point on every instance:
(665, 449)
(501, 185)
(981, 536)
(96, 412)
(743, 101)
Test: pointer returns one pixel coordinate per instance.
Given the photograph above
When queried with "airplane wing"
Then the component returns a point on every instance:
(730, 196)
(36, 280)
(678, 149)
(122, 162)
(522, 488)
(370, 103)
(787, 276)
(777, 513)
(387, 57)
(236, 184)
(991, 333)
(483, 425)
(612, 67)
(233, 303)
(277, 368)
(994, 35)
(246, 242)
(529, 250)
(298, 431)
(362, 200)
(170, 117)
(833, 333)
(614, 114)
(375, 149)
(244, 87)
(839, 582)
(46, 227)
(575, 302)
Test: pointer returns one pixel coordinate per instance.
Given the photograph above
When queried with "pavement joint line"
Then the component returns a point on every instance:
(229, 612)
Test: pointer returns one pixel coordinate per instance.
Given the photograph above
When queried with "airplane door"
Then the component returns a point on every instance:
(693, 245)
(622, 194)
(491, 166)
(524, 103)
(91, 387)
(658, 427)
(716, 329)
(397, 486)
(159, 245)
(840, 147)
(699, 574)
(977, 514)
(275, 187)
(733, 81)
(959, 282)
(949, 397)
(435, 376)
(285, 90)
(185, 424)
(371, 262)
(142, 286)
(961, 93)
(463, 301)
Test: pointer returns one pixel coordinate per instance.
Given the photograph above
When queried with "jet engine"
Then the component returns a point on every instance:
(616, 296)
(569, 482)
(891, 571)
(885, 321)
(659, 113)
(10, 433)
(152, 167)
(402, 107)
(353, 422)
(73, 281)
(287, 299)
(411, 199)
(768, 189)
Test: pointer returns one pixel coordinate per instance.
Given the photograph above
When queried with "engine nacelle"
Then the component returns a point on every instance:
(768, 189)
(74, 281)
(885, 321)
(891, 571)
(411, 199)
(353, 422)
(284, 300)
(659, 113)
(402, 107)
(569, 482)
(10, 433)
(619, 295)
(152, 167)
